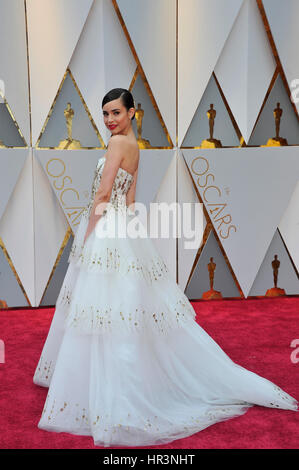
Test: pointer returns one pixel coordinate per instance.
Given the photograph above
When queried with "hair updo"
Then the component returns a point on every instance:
(125, 95)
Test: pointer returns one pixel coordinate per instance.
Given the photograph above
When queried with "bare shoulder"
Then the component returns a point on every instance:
(125, 152)
(119, 140)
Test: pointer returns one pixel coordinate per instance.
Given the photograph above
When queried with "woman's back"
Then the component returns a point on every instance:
(131, 157)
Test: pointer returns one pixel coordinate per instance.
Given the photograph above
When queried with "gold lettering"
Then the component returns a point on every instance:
(64, 179)
(218, 207)
(64, 191)
(230, 227)
(200, 158)
(223, 220)
(206, 179)
(58, 160)
(204, 193)
(76, 212)
(56, 171)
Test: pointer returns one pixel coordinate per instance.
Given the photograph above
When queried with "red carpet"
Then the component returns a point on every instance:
(255, 333)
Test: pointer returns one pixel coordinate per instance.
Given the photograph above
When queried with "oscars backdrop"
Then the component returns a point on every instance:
(216, 87)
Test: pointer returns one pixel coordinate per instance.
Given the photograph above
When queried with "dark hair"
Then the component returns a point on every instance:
(125, 95)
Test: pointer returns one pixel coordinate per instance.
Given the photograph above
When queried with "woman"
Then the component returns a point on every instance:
(125, 360)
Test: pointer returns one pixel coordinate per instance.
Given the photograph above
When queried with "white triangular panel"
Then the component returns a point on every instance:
(54, 27)
(102, 60)
(152, 168)
(70, 174)
(13, 62)
(12, 162)
(282, 18)
(186, 194)
(245, 67)
(50, 226)
(200, 279)
(246, 194)
(287, 278)
(289, 227)
(199, 128)
(204, 26)
(265, 126)
(167, 194)
(152, 28)
(152, 130)
(16, 225)
(82, 126)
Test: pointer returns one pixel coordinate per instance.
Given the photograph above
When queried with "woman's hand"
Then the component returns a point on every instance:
(86, 236)
(97, 210)
(93, 219)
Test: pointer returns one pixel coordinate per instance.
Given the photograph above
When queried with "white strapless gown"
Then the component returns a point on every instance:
(124, 359)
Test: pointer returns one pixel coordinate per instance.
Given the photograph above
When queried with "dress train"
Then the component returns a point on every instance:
(124, 359)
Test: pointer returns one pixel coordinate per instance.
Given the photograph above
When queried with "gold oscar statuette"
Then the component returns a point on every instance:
(142, 143)
(277, 141)
(3, 304)
(211, 143)
(69, 143)
(211, 294)
(275, 291)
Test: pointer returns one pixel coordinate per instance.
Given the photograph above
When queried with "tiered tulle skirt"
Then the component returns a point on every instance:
(125, 361)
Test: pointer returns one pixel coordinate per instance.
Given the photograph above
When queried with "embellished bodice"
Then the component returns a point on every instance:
(110, 248)
(121, 185)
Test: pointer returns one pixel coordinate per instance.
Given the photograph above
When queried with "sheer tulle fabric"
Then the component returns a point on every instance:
(125, 360)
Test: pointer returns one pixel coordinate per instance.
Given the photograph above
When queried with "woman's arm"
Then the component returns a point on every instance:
(96, 212)
(114, 157)
(130, 198)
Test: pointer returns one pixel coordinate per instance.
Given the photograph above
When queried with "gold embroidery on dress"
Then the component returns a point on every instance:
(44, 371)
(102, 422)
(121, 186)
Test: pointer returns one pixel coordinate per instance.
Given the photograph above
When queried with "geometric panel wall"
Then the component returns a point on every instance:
(241, 58)
(200, 280)
(287, 278)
